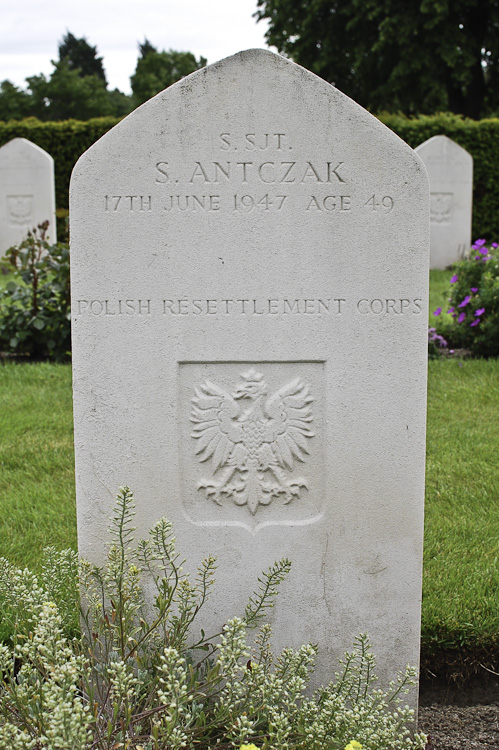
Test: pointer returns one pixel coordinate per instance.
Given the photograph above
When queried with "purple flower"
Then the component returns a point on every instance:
(484, 251)
(460, 364)
(465, 301)
(461, 317)
(478, 257)
(437, 311)
(479, 243)
(474, 289)
(453, 279)
(434, 337)
(475, 323)
(450, 310)
(451, 351)
(480, 311)
(494, 244)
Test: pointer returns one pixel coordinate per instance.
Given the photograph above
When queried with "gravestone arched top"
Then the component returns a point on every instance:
(443, 142)
(21, 148)
(442, 148)
(270, 83)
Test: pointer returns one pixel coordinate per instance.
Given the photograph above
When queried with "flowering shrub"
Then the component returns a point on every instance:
(436, 344)
(136, 677)
(474, 303)
(35, 306)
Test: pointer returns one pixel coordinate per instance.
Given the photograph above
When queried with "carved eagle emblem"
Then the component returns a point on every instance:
(440, 207)
(252, 439)
(20, 208)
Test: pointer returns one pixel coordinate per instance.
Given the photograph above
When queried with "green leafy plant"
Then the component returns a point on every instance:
(137, 677)
(474, 303)
(35, 305)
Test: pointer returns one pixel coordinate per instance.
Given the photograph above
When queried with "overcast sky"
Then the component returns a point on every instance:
(31, 29)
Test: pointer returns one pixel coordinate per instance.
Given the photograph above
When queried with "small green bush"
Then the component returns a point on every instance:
(35, 306)
(138, 678)
(474, 303)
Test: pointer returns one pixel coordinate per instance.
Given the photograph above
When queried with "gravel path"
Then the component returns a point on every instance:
(460, 727)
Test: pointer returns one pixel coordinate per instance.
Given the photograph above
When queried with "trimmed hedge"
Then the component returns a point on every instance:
(481, 139)
(67, 140)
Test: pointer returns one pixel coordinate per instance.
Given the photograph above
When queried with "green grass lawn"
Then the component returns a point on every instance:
(37, 495)
(461, 562)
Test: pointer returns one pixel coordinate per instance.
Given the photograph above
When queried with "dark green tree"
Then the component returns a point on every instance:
(145, 48)
(76, 89)
(81, 56)
(418, 56)
(156, 71)
(67, 95)
(15, 103)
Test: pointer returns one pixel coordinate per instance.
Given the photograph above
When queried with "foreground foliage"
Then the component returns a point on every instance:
(139, 680)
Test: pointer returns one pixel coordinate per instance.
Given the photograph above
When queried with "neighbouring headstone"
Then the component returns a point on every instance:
(249, 282)
(450, 172)
(27, 192)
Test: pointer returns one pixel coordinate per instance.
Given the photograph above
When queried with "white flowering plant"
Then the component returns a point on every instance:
(135, 678)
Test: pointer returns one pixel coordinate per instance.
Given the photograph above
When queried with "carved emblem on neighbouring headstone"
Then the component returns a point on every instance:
(20, 208)
(440, 207)
(253, 439)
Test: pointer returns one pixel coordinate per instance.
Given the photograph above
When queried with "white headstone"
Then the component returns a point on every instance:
(450, 171)
(249, 270)
(27, 192)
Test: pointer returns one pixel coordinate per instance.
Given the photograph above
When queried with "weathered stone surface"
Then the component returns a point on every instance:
(450, 172)
(249, 270)
(27, 192)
